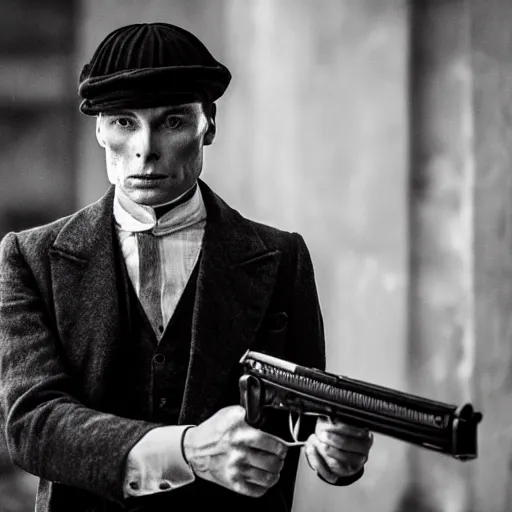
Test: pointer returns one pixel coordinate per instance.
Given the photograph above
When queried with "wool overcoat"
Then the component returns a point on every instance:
(61, 349)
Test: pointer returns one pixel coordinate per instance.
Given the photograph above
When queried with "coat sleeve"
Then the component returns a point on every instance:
(307, 328)
(49, 432)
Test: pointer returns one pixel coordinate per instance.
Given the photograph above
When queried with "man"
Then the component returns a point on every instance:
(122, 326)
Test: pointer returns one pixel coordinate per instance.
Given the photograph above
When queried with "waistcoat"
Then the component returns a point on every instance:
(159, 369)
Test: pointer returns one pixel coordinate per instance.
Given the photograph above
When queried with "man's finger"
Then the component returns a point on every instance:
(248, 488)
(352, 459)
(317, 463)
(348, 451)
(345, 443)
(265, 461)
(262, 441)
(336, 462)
(342, 428)
(260, 477)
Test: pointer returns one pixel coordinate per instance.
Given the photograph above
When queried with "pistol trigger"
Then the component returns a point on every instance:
(290, 425)
(294, 429)
(297, 428)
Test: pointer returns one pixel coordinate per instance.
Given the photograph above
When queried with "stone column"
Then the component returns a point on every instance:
(442, 341)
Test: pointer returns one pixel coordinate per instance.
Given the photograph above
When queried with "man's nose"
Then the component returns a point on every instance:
(146, 144)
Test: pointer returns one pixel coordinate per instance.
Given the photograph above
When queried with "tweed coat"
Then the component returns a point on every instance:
(60, 344)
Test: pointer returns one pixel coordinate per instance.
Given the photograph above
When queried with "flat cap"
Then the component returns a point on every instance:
(148, 65)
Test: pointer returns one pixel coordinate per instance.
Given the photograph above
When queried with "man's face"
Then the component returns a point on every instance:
(155, 154)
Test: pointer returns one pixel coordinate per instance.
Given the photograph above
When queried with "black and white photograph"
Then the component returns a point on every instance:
(256, 255)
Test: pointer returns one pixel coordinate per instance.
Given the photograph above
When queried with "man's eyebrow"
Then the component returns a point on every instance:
(178, 109)
(185, 110)
(173, 109)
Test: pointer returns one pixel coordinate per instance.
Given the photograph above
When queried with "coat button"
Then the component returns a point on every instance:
(159, 359)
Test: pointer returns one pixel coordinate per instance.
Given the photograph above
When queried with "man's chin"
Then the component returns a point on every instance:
(152, 198)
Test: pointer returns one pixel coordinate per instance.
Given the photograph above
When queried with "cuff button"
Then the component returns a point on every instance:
(164, 486)
(134, 485)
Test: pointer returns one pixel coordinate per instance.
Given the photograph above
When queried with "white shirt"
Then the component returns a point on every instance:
(180, 234)
(157, 461)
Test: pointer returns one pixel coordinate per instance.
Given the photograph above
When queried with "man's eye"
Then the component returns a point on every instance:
(124, 122)
(173, 122)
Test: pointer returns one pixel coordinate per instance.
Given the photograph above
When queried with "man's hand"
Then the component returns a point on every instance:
(225, 450)
(337, 450)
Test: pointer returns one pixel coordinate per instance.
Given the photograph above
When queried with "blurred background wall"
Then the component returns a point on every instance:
(379, 129)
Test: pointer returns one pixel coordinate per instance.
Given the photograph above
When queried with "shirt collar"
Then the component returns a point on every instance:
(133, 217)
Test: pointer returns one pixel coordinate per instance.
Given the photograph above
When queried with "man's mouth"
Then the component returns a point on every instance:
(147, 180)
(148, 177)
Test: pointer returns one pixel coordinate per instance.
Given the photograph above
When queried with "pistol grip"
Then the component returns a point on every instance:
(251, 398)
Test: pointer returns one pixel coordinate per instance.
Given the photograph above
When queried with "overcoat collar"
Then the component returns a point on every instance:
(236, 277)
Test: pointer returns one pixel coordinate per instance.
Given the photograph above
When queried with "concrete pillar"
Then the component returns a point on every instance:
(442, 341)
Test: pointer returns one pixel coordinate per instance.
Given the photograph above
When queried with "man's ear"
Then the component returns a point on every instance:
(99, 134)
(211, 131)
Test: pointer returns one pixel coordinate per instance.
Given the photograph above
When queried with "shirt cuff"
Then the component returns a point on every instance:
(156, 463)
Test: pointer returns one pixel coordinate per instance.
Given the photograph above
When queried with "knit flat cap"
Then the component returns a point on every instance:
(148, 65)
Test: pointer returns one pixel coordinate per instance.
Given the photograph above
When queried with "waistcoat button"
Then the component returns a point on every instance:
(159, 359)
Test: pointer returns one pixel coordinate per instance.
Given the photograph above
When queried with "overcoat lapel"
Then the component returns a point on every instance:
(236, 277)
(84, 286)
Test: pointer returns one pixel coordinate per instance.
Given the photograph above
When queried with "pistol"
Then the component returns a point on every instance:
(269, 383)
